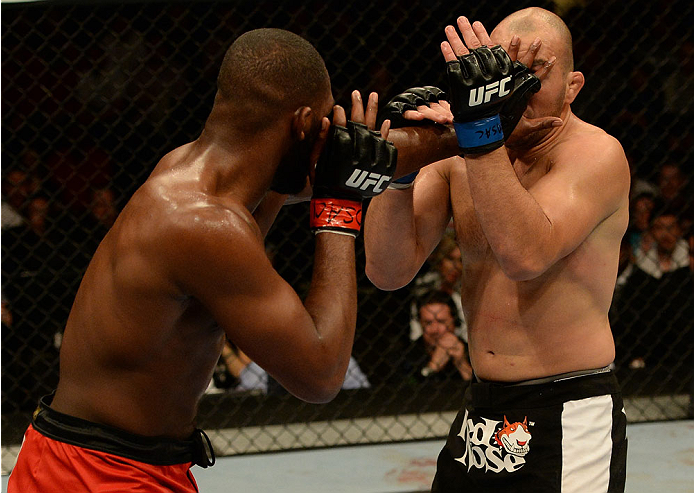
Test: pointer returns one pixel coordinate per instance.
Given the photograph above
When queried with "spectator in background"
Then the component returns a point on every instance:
(672, 183)
(640, 209)
(444, 274)
(103, 207)
(676, 192)
(32, 290)
(18, 186)
(654, 308)
(439, 353)
(237, 372)
(669, 251)
(639, 184)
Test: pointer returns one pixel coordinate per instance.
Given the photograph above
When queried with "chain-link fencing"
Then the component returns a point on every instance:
(94, 93)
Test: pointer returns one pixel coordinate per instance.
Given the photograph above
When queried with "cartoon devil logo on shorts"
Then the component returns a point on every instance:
(494, 446)
(514, 437)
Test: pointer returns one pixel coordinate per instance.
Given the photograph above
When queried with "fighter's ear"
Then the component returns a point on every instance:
(575, 82)
(301, 122)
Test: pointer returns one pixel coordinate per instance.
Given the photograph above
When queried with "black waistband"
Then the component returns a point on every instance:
(560, 389)
(159, 451)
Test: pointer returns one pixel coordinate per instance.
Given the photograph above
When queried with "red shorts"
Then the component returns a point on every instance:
(45, 465)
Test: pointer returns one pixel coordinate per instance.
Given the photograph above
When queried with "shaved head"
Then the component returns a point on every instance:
(538, 21)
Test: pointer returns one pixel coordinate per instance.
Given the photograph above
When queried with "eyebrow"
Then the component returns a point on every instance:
(538, 62)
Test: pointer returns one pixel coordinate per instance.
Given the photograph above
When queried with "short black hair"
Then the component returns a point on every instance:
(662, 207)
(273, 68)
(439, 297)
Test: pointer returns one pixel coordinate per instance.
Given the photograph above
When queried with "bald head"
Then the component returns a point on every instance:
(272, 71)
(548, 26)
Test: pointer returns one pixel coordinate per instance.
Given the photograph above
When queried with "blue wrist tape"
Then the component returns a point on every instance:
(407, 178)
(479, 132)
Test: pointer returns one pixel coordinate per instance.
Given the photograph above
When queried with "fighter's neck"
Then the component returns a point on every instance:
(236, 168)
(540, 148)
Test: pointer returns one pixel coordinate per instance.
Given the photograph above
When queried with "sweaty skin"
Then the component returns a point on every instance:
(184, 267)
(538, 222)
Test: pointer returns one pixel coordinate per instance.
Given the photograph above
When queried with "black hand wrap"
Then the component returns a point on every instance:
(406, 101)
(525, 84)
(481, 82)
(356, 163)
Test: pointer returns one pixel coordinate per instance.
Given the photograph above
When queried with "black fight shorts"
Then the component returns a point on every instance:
(565, 434)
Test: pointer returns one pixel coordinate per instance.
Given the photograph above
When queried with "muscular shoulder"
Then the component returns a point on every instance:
(188, 230)
(586, 141)
(207, 225)
(593, 157)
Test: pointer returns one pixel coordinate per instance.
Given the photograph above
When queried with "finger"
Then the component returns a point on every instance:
(371, 111)
(357, 107)
(545, 68)
(481, 33)
(513, 48)
(545, 123)
(413, 115)
(529, 56)
(339, 116)
(445, 105)
(433, 115)
(443, 108)
(385, 128)
(536, 124)
(468, 33)
(455, 42)
(447, 51)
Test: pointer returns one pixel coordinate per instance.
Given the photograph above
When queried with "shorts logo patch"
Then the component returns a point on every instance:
(494, 446)
(514, 437)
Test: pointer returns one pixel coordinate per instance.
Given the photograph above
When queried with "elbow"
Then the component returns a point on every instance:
(523, 268)
(319, 392)
(386, 280)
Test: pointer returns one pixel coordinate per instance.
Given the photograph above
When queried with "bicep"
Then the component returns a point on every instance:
(259, 311)
(577, 194)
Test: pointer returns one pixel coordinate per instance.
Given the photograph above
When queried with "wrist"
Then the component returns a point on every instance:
(479, 136)
(404, 181)
(336, 215)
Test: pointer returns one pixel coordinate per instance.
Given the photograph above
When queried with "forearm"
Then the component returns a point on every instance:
(422, 145)
(393, 254)
(332, 303)
(514, 224)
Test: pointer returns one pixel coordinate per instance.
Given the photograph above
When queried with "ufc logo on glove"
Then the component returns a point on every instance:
(484, 94)
(359, 180)
(356, 163)
(481, 82)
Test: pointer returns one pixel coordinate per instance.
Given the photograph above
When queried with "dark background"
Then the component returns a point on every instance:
(95, 93)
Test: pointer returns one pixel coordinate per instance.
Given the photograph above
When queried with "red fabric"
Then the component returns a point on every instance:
(335, 213)
(45, 465)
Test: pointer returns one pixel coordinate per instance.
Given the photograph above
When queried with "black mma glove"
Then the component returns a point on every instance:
(395, 111)
(406, 101)
(356, 163)
(525, 84)
(481, 82)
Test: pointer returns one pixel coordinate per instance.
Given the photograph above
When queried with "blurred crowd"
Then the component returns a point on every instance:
(72, 156)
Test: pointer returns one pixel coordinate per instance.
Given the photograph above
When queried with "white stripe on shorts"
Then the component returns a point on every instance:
(586, 445)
